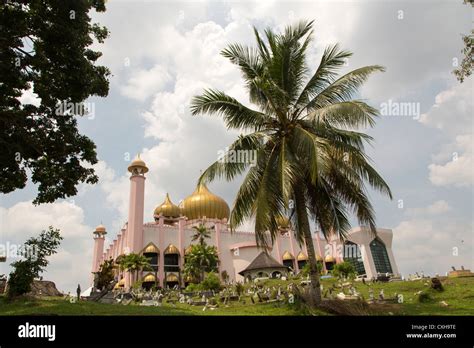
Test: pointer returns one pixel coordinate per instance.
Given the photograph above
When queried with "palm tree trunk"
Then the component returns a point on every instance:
(302, 214)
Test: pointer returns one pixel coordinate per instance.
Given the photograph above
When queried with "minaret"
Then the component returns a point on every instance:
(99, 238)
(138, 169)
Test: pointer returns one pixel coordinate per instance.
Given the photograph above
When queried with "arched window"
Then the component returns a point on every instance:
(276, 274)
(352, 254)
(380, 257)
(171, 259)
(152, 253)
(288, 260)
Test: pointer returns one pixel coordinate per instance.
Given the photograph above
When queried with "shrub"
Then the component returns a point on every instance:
(424, 297)
(192, 287)
(344, 270)
(305, 270)
(211, 282)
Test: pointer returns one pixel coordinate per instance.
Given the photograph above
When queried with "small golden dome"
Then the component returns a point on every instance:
(329, 258)
(172, 278)
(287, 256)
(203, 203)
(283, 221)
(120, 284)
(171, 249)
(151, 248)
(319, 258)
(100, 229)
(149, 278)
(302, 257)
(167, 209)
(188, 250)
(137, 166)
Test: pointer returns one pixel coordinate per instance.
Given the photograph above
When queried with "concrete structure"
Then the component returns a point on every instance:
(166, 239)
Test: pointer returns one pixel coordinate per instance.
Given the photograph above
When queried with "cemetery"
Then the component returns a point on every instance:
(286, 296)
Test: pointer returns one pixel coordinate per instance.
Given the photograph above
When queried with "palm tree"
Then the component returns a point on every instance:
(133, 263)
(200, 260)
(201, 234)
(305, 136)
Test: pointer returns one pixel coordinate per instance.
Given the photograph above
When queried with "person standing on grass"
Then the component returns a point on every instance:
(78, 292)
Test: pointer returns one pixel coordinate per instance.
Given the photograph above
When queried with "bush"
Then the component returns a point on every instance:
(305, 270)
(344, 270)
(424, 297)
(192, 287)
(211, 282)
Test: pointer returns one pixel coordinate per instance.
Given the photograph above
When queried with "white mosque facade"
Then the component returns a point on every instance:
(166, 239)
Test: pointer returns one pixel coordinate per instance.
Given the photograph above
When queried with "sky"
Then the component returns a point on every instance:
(161, 54)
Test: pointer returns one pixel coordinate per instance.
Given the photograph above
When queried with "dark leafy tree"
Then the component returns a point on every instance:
(105, 274)
(45, 49)
(465, 67)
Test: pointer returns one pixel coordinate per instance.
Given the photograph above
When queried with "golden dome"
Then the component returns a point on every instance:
(287, 256)
(171, 249)
(151, 248)
(188, 250)
(319, 258)
(138, 164)
(302, 257)
(100, 229)
(167, 208)
(329, 258)
(172, 278)
(203, 203)
(283, 221)
(149, 278)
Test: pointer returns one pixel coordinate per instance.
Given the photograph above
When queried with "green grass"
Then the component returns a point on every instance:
(458, 293)
(59, 306)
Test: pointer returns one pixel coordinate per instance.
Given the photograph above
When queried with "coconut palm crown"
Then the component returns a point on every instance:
(311, 162)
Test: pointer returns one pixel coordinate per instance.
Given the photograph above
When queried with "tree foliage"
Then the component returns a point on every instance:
(45, 49)
(465, 68)
(134, 263)
(200, 260)
(344, 270)
(105, 275)
(35, 260)
(201, 234)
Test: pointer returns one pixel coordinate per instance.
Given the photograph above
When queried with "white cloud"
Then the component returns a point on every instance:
(459, 171)
(452, 113)
(438, 207)
(433, 244)
(452, 110)
(144, 83)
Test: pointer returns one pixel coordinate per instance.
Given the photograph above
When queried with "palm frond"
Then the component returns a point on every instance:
(235, 114)
(350, 114)
(223, 167)
(343, 88)
(332, 59)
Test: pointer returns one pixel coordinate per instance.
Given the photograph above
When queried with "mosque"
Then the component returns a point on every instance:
(167, 238)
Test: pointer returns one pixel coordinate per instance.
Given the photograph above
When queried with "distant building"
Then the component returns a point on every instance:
(167, 238)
